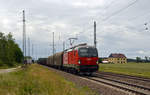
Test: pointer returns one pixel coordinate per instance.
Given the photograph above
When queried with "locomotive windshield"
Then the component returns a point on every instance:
(88, 52)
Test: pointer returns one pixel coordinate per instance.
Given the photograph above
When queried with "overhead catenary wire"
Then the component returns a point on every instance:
(108, 17)
(113, 14)
(91, 25)
(122, 9)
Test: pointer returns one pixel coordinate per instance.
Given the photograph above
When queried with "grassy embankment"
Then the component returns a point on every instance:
(136, 69)
(38, 80)
(12, 66)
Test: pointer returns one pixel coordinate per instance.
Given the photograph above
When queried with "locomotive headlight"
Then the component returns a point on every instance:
(97, 62)
(79, 62)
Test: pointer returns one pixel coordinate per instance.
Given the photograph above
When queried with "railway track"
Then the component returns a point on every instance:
(130, 89)
(134, 80)
(129, 86)
(124, 76)
(125, 87)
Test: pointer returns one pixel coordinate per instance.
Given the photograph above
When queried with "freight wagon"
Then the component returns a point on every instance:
(42, 61)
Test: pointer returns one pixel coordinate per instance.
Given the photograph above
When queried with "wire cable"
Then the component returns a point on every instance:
(122, 9)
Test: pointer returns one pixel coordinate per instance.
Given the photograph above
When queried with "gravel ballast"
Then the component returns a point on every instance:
(101, 89)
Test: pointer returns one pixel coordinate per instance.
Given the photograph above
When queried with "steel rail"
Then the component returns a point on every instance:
(126, 83)
(123, 86)
(125, 76)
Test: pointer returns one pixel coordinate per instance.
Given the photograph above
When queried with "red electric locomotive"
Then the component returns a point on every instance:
(81, 58)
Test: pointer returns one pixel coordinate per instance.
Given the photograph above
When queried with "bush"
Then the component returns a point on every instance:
(1, 63)
(10, 53)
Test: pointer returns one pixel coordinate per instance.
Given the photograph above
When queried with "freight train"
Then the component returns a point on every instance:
(80, 58)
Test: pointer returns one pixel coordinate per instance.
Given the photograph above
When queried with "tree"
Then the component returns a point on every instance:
(100, 60)
(138, 59)
(146, 59)
(18, 54)
(10, 53)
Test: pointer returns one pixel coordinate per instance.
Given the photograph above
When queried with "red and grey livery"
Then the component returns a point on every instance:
(81, 58)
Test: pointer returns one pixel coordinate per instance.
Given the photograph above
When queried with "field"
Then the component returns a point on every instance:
(37, 80)
(137, 69)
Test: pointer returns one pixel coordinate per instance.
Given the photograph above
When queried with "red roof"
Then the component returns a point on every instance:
(117, 55)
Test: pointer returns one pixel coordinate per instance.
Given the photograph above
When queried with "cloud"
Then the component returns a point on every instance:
(141, 52)
(121, 33)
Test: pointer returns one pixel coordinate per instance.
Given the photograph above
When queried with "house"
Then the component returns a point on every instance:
(117, 58)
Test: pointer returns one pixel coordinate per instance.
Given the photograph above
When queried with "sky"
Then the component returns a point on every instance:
(120, 25)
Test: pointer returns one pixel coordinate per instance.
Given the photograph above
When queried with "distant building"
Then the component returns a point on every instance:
(28, 59)
(117, 58)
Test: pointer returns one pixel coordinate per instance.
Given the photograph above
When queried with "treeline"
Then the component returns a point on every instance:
(140, 60)
(10, 53)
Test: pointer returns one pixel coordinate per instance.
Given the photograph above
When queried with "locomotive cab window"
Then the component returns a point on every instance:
(88, 52)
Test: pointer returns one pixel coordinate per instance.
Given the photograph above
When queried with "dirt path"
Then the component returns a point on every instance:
(8, 70)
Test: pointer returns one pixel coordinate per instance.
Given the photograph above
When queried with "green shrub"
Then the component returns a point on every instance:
(10, 53)
(1, 63)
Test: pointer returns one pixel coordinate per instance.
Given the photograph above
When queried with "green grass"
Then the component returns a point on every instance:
(38, 80)
(136, 69)
(5, 66)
